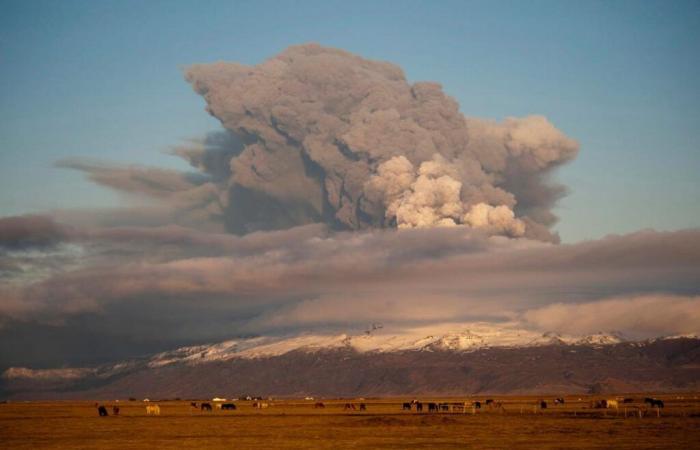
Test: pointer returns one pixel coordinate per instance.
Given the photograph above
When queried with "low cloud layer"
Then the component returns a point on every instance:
(184, 285)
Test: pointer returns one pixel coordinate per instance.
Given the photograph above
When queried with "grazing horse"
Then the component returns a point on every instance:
(230, 406)
(489, 401)
(115, 410)
(612, 404)
(349, 406)
(432, 407)
(599, 404)
(477, 405)
(205, 406)
(419, 407)
(102, 411)
(363, 407)
(319, 405)
(406, 407)
(444, 406)
(153, 410)
(194, 405)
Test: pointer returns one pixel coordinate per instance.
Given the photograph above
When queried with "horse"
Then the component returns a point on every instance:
(489, 401)
(115, 410)
(419, 407)
(319, 405)
(153, 410)
(543, 404)
(612, 404)
(363, 407)
(102, 411)
(406, 407)
(432, 407)
(230, 406)
(260, 405)
(477, 405)
(558, 401)
(349, 406)
(205, 406)
(653, 402)
(194, 405)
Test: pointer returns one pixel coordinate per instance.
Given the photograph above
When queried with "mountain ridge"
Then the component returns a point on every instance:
(598, 364)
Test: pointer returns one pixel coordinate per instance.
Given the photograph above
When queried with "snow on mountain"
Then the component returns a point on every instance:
(602, 339)
(454, 337)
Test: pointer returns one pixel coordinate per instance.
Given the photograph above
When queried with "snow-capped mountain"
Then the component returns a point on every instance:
(452, 358)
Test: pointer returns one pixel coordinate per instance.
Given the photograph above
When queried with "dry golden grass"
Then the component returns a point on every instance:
(296, 424)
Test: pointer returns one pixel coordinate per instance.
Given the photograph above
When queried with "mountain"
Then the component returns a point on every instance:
(479, 359)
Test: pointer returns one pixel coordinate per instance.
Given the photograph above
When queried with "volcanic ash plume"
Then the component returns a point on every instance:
(318, 135)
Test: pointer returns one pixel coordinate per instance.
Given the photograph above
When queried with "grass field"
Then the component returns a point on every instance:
(297, 424)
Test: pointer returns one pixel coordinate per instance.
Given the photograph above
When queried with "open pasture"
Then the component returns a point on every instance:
(517, 423)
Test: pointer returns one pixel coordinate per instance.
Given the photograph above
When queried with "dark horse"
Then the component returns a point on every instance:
(654, 402)
(319, 405)
(230, 406)
(406, 407)
(206, 406)
(102, 411)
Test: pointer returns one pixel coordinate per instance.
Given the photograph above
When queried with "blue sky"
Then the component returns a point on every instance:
(104, 80)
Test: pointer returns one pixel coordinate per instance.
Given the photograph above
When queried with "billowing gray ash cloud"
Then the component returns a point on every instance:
(317, 134)
(330, 136)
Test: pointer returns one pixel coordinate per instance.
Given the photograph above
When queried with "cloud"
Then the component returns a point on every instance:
(636, 316)
(32, 231)
(173, 279)
(310, 134)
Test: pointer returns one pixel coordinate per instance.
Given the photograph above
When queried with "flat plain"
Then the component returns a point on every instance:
(289, 423)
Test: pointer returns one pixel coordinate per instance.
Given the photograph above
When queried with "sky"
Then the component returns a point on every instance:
(104, 80)
(174, 173)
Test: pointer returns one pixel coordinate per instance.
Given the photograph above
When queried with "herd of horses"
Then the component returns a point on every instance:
(452, 406)
(414, 405)
(615, 403)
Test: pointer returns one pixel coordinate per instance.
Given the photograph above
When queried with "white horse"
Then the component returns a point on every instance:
(153, 410)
